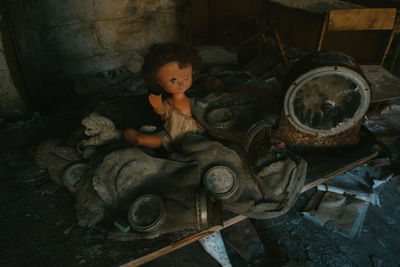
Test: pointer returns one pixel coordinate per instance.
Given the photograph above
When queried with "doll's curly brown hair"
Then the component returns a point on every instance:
(162, 54)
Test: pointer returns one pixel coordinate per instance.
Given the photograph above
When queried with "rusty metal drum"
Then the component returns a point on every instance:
(326, 99)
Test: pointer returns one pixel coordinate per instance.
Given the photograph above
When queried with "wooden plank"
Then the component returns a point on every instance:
(362, 19)
(184, 242)
(337, 172)
(384, 85)
(324, 164)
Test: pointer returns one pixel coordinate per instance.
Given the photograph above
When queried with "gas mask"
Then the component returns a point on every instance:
(155, 195)
(265, 189)
(240, 114)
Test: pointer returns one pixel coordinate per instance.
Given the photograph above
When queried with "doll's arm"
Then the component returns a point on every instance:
(157, 103)
(147, 140)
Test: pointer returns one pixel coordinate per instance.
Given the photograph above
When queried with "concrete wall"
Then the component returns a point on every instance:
(95, 35)
(58, 39)
(9, 96)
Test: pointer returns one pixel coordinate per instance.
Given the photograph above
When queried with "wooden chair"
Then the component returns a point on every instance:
(367, 19)
(384, 85)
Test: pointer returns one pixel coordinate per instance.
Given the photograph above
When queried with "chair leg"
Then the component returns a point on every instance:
(260, 28)
(394, 31)
(323, 31)
(278, 40)
(396, 56)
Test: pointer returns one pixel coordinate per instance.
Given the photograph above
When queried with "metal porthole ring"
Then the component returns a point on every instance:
(345, 72)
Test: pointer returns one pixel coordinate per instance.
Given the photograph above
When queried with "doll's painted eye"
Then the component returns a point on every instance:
(173, 80)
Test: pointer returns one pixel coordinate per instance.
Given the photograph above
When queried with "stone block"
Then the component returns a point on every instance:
(75, 41)
(67, 12)
(122, 34)
(116, 9)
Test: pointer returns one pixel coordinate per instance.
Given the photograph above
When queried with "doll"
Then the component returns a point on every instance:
(168, 72)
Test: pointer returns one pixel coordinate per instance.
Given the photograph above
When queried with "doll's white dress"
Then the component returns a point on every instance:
(176, 125)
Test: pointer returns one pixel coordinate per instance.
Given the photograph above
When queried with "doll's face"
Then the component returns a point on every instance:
(173, 79)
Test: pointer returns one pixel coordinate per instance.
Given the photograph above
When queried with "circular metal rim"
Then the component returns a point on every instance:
(252, 132)
(220, 125)
(156, 223)
(365, 93)
(67, 171)
(227, 194)
(202, 212)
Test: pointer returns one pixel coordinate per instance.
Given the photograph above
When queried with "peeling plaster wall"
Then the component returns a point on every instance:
(9, 96)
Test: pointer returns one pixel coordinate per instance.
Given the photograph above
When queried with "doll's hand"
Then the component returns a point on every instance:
(157, 103)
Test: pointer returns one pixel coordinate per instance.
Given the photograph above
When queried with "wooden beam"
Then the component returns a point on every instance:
(184, 242)
(338, 172)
